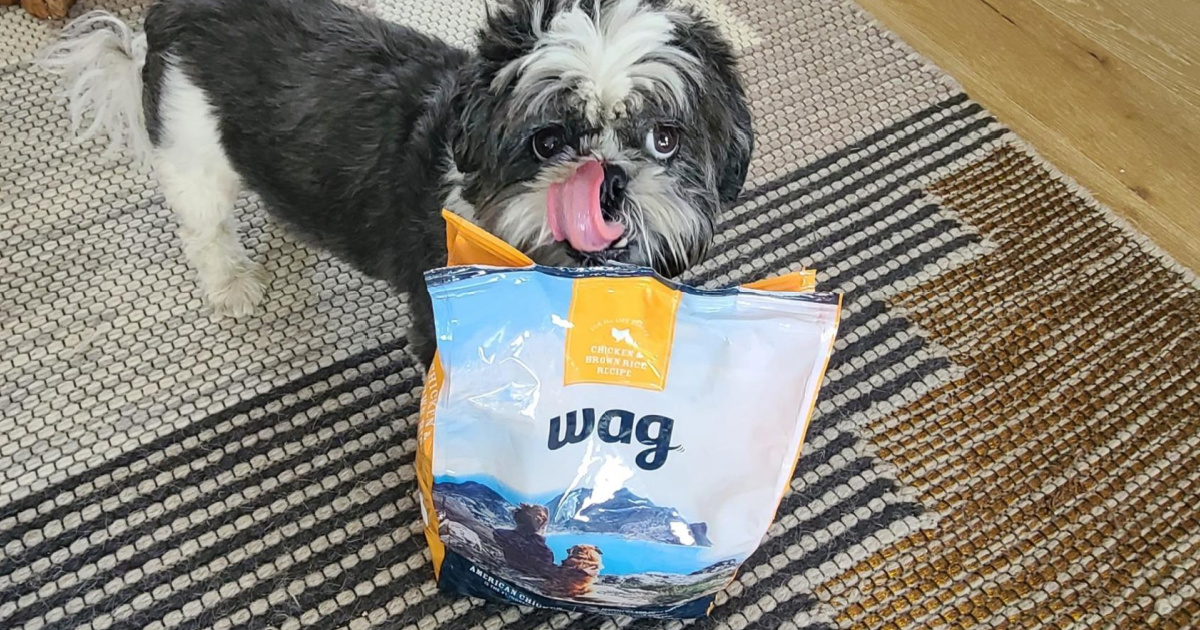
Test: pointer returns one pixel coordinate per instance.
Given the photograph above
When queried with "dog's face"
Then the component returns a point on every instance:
(602, 130)
(531, 518)
(585, 554)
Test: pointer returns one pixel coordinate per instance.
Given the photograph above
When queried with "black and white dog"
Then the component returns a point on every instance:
(580, 131)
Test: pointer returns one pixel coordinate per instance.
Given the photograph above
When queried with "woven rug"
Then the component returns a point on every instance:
(1008, 435)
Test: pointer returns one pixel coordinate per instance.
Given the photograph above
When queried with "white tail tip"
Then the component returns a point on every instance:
(99, 60)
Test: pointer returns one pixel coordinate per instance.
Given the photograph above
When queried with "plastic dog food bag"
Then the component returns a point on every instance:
(604, 440)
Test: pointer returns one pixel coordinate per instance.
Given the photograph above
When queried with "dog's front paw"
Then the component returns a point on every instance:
(239, 292)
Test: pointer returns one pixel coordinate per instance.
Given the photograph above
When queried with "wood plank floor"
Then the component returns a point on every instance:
(1107, 90)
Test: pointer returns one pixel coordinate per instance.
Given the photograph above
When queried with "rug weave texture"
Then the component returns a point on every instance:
(1007, 437)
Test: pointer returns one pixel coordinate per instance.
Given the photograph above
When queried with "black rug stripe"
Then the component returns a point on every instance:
(758, 232)
(226, 462)
(881, 394)
(829, 240)
(860, 318)
(828, 243)
(890, 359)
(869, 341)
(837, 255)
(176, 437)
(862, 145)
(222, 493)
(914, 265)
(380, 597)
(157, 547)
(311, 595)
(833, 481)
(856, 173)
(248, 564)
(790, 216)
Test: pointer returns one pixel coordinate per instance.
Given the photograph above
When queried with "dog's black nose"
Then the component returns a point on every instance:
(612, 191)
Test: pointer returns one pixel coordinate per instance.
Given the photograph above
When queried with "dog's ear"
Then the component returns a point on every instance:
(724, 110)
(509, 32)
(733, 157)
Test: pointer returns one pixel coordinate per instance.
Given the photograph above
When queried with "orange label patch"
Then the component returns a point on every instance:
(621, 332)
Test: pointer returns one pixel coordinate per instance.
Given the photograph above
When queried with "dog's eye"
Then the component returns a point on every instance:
(662, 141)
(549, 142)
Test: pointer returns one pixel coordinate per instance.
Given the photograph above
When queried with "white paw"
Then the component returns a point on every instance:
(239, 292)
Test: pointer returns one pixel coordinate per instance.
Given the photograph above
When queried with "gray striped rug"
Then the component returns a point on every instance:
(160, 468)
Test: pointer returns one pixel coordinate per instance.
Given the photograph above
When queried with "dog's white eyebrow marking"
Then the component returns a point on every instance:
(609, 59)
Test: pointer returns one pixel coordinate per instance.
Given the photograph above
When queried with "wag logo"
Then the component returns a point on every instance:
(616, 426)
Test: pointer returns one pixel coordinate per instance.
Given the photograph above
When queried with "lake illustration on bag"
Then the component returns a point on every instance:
(580, 545)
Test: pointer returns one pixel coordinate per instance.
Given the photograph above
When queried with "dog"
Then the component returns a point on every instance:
(524, 548)
(576, 572)
(581, 131)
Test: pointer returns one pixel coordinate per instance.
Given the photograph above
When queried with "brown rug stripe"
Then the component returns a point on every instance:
(1064, 462)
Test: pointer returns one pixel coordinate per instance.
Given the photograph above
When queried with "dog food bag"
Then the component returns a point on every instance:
(605, 440)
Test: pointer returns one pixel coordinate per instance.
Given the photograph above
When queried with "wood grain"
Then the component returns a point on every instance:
(1107, 90)
(1160, 39)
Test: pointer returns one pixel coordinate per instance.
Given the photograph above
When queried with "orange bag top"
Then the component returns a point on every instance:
(469, 244)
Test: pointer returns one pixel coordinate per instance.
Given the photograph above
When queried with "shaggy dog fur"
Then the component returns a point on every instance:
(356, 132)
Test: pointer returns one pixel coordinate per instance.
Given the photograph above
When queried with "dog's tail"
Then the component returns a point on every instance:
(99, 59)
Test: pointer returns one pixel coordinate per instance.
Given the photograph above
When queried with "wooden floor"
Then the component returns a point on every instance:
(1107, 90)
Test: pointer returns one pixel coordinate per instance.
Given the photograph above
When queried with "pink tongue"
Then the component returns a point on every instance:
(573, 211)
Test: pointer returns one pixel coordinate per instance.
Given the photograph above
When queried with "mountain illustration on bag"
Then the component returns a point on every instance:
(484, 503)
(624, 514)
